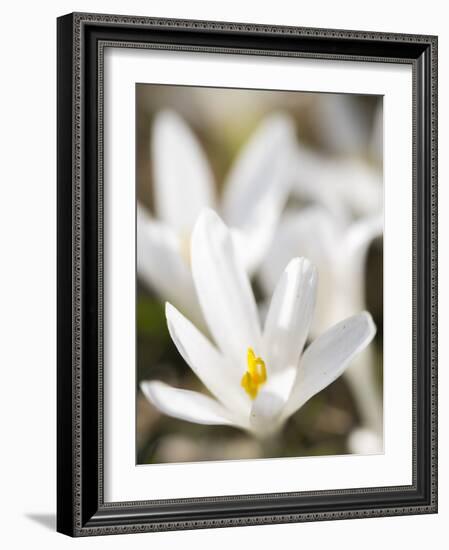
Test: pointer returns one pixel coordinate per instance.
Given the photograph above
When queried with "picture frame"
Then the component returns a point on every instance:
(81, 506)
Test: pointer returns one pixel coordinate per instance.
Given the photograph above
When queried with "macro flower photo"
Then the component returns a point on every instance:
(259, 261)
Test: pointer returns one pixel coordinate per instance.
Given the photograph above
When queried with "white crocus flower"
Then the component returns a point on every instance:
(253, 197)
(258, 377)
(349, 181)
(348, 187)
(339, 251)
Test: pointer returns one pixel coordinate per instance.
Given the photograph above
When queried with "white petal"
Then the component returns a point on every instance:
(160, 264)
(223, 289)
(344, 186)
(313, 179)
(361, 378)
(360, 186)
(359, 238)
(312, 233)
(251, 245)
(328, 356)
(220, 377)
(258, 168)
(185, 404)
(265, 417)
(257, 186)
(183, 181)
(351, 264)
(290, 315)
(280, 383)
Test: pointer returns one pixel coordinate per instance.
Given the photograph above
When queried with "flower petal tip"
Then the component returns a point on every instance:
(301, 264)
(146, 388)
(169, 309)
(372, 329)
(207, 221)
(282, 121)
(165, 117)
(304, 268)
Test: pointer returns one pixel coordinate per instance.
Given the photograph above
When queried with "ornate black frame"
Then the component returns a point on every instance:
(81, 39)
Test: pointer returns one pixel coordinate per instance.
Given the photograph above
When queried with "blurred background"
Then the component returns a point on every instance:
(339, 164)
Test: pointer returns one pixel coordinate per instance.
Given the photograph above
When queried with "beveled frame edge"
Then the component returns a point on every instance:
(79, 513)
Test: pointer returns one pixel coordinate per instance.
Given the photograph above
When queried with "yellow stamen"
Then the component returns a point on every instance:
(255, 376)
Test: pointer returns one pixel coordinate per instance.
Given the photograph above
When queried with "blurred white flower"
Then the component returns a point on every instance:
(344, 182)
(348, 188)
(258, 377)
(254, 195)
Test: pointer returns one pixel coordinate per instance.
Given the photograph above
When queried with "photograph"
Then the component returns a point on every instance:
(247, 278)
(221, 276)
(259, 274)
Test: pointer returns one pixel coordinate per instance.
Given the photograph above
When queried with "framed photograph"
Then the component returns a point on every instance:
(247, 274)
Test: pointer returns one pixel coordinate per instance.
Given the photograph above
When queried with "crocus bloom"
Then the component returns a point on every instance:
(339, 251)
(258, 377)
(253, 197)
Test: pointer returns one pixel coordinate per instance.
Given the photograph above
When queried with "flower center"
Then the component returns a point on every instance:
(255, 376)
